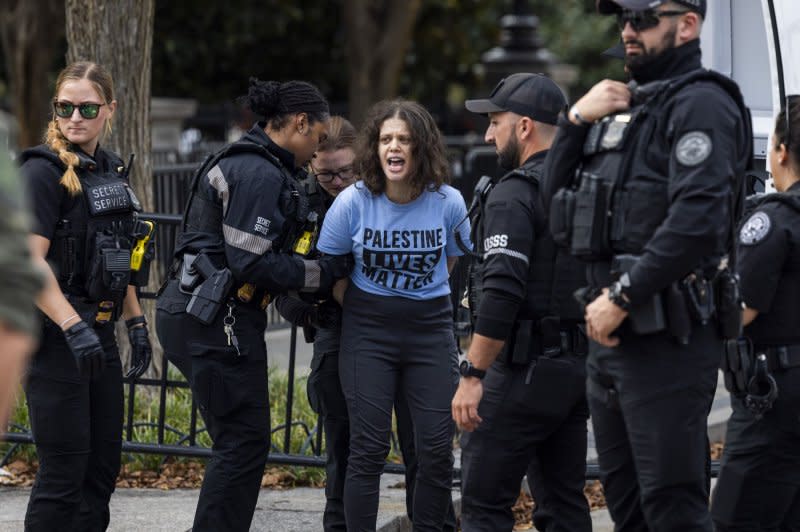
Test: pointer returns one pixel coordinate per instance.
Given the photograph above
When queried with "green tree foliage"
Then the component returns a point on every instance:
(442, 63)
(207, 50)
(573, 31)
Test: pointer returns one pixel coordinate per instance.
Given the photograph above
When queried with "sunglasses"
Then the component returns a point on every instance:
(86, 110)
(644, 20)
(345, 174)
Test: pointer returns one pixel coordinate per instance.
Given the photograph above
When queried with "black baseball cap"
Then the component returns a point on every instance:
(532, 95)
(611, 7)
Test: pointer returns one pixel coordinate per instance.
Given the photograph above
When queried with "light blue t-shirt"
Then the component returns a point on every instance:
(399, 249)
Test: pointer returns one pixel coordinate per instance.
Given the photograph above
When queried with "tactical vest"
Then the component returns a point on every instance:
(615, 202)
(553, 275)
(205, 216)
(93, 241)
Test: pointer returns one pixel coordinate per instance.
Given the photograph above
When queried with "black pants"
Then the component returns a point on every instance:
(231, 391)
(77, 428)
(540, 425)
(758, 489)
(395, 346)
(649, 399)
(326, 397)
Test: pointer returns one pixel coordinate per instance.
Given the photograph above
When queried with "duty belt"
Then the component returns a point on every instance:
(530, 339)
(782, 357)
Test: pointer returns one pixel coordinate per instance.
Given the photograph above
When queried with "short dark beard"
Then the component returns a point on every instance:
(508, 157)
(634, 62)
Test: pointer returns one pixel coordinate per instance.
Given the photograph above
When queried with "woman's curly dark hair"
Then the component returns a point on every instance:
(429, 168)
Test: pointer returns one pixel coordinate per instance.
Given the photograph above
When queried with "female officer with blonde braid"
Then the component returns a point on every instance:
(84, 219)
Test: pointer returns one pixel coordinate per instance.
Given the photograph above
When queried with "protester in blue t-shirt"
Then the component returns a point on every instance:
(397, 327)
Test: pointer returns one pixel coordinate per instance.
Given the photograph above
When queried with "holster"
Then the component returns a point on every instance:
(699, 293)
(736, 365)
(209, 295)
(678, 318)
(729, 304)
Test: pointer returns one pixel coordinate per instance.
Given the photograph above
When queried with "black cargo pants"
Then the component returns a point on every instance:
(539, 424)
(649, 399)
(758, 488)
(77, 428)
(231, 391)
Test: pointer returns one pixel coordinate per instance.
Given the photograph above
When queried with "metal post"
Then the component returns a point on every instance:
(287, 439)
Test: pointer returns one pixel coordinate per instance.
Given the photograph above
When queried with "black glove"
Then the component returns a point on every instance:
(86, 348)
(326, 315)
(333, 268)
(141, 352)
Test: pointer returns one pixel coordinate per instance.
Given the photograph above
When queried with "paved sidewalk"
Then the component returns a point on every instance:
(136, 510)
(297, 510)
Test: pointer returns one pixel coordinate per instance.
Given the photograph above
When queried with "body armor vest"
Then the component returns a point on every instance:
(92, 244)
(205, 216)
(553, 275)
(617, 201)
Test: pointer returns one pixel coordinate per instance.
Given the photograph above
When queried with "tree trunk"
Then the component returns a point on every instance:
(378, 36)
(118, 34)
(30, 31)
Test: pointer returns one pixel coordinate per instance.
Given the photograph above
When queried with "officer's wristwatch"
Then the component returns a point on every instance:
(466, 369)
(616, 293)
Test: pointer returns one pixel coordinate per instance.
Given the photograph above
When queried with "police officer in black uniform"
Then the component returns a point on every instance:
(244, 238)
(759, 483)
(522, 392)
(649, 175)
(84, 231)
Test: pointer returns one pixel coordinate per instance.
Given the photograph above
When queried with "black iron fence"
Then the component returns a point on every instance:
(171, 185)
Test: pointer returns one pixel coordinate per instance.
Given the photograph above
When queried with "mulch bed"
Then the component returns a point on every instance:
(175, 475)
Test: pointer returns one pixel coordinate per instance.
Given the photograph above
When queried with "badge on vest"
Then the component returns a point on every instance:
(693, 148)
(615, 131)
(755, 229)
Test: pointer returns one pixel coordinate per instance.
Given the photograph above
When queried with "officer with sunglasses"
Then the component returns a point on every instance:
(759, 483)
(644, 180)
(83, 234)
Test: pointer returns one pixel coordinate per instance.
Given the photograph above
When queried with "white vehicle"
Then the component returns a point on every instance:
(764, 59)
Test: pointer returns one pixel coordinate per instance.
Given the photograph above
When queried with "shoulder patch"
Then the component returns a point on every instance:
(693, 148)
(755, 228)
